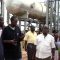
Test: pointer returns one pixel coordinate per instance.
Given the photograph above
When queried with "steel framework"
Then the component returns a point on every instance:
(53, 14)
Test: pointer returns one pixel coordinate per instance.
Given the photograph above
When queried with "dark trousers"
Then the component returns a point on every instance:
(49, 58)
(1, 58)
(31, 50)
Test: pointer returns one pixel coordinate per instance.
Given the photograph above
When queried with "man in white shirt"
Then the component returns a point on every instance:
(45, 45)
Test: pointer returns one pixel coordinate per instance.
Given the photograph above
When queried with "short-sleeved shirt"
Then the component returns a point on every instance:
(30, 37)
(44, 45)
(12, 51)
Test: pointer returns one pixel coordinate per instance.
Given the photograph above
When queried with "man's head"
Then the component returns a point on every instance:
(55, 32)
(1, 21)
(45, 30)
(14, 20)
(32, 28)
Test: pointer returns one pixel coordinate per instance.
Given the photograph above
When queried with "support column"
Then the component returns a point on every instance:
(51, 15)
(58, 17)
(8, 17)
(2, 8)
(47, 12)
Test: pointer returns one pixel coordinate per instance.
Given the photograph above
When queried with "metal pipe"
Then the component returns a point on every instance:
(58, 17)
(47, 12)
(2, 8)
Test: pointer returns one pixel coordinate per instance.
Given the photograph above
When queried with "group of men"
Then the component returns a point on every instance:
(11, 36)
(39, 47)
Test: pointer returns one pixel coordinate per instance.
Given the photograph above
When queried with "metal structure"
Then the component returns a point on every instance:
(1, 8)
(53, 14)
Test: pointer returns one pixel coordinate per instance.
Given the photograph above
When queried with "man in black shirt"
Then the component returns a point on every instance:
(11, 37)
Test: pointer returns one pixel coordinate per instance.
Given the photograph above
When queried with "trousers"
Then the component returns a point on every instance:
(31, 51)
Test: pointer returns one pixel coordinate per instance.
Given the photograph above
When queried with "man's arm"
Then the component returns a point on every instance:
(53, 48)
(21, 36)
(4, 35)
(25, 39)
(53, 53)
(9, 41)
(25, 45)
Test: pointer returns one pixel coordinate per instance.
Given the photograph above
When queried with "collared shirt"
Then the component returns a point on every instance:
(12, 50)
(44, 45)
(13, 28)
(30, 37)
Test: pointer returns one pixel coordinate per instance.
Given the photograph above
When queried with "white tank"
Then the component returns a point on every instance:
(21, 6)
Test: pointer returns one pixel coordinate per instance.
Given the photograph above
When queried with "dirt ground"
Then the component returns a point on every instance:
(24, 55)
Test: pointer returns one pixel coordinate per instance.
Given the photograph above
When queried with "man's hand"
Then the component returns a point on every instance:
(10, 41)
(13, 41)
(21, 37)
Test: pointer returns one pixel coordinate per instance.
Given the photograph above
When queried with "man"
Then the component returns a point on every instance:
(56, 36)
(30, 38)
(45, 45)
(11, 37)
(1, 45)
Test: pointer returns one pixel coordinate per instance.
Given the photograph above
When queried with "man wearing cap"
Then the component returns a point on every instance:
(45, 45)
(30, 38)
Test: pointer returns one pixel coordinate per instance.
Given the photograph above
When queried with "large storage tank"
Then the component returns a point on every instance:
(20, 7)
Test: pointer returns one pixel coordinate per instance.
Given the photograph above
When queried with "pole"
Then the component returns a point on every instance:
(2, 8)
(47, 11)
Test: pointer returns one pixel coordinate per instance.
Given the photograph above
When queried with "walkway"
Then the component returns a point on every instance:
(24, 55)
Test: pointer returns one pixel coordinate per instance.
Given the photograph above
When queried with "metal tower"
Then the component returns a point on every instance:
(53, 12)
